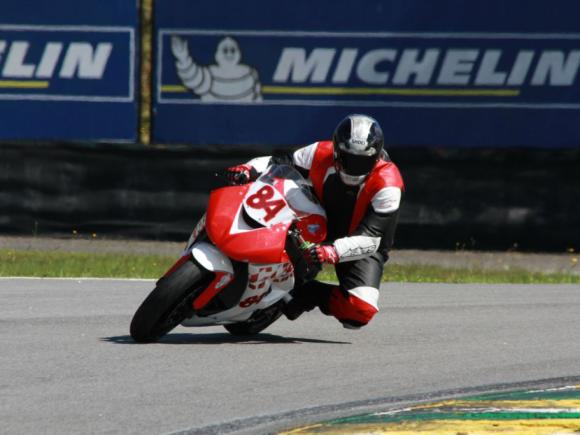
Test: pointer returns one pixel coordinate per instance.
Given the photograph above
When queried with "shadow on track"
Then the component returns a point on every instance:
(222, 338)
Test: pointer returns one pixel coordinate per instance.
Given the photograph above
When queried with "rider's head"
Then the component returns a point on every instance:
(358, 142)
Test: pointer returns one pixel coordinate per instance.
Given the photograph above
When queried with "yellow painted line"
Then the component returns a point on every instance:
(332, 90)
(466, 405)
(451, 427)
(24, 84)
(301, 429)
(173, 88)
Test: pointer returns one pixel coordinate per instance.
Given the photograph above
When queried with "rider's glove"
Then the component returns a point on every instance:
(241, 174)
(317, 255)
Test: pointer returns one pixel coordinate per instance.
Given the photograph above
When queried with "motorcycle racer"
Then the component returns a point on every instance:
(361, 189)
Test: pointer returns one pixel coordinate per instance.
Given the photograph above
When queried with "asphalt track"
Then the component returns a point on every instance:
(67, 364)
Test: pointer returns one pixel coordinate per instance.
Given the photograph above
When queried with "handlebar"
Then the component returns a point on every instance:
(301, 242)
(223, 175)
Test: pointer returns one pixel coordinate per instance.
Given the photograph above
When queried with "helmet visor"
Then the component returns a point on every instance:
(352, 164)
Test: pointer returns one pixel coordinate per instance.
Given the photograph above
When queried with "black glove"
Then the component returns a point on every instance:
(241, 174)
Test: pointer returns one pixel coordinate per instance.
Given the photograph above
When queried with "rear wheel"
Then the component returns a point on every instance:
(170, 302)
(259, 321)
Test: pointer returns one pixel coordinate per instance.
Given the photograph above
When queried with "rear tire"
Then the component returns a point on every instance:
(259, 321)
(170, 302)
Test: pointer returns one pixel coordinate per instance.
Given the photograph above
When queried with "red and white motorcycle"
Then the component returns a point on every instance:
(242, 260)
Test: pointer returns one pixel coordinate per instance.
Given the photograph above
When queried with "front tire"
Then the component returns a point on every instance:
(170, 302)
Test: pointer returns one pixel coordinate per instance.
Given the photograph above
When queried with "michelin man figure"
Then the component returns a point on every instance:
(227, 80)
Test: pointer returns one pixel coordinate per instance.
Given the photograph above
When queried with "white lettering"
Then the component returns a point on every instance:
(345, 64)
(87, 63)
(49, 60)
(2, 48)
(410, 65)
(367, 67)
(520, 68)
(457, 67)
(553, 66)
(293, 64)
(488, 74)
(15, 66)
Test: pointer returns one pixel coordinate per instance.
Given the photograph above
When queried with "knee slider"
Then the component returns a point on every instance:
(355, 307)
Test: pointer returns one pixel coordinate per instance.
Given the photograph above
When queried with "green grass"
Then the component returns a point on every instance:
(81, 264)
(420, 273)
(76, 264)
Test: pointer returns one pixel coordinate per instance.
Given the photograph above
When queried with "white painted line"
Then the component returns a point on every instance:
(424, 35)
(508, 410)
(58, 28)
(569, 387)
(6, 278)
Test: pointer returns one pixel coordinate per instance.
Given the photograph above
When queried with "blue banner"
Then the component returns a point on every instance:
(69, 77)
(506, 75)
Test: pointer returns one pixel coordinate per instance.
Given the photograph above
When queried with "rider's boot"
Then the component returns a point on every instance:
(311, 295)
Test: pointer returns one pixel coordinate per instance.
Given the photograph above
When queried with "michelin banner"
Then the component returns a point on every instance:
(68, 70)
(433, 73)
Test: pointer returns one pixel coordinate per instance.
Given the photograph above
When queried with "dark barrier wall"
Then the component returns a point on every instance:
(68, 69)
(481, 199)
(435, 73)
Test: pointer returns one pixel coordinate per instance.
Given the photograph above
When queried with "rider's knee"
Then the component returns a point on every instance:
(354, 308)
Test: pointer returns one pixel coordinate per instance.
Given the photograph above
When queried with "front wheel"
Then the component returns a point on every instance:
(259, 321)
(170, 302)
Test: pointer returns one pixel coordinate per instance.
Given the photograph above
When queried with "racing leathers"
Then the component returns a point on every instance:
(361, 227)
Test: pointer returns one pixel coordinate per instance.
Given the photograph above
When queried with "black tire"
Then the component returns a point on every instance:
(259, 321)
(170, 302)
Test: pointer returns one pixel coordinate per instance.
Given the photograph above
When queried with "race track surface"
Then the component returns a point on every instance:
(67, 364)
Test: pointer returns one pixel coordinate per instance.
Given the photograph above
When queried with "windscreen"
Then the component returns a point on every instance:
(298, 192)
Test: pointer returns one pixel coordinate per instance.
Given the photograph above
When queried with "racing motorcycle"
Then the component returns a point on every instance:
(242, 259)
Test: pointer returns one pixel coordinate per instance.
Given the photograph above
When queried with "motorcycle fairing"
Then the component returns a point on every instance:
(211, 258)
(219, 282)
(266, 285)
(226, 228)
(266, 213)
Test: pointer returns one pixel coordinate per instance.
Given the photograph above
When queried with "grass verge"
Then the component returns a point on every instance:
(58, 264)
(80, 264)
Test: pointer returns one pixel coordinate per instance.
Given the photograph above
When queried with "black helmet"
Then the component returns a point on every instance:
(358, 142)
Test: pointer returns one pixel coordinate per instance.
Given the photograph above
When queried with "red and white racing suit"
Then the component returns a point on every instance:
(361, 226)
